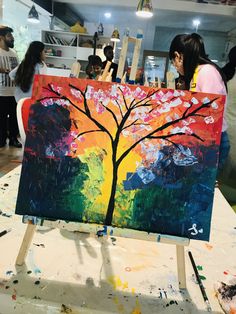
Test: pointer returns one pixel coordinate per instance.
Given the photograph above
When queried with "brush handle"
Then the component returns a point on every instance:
(198, 277)
(2, 233)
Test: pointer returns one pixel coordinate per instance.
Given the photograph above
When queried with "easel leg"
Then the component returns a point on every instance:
(29, 233)
(135, 60)
(181, 266)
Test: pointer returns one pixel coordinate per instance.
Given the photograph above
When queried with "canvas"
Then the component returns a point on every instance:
(122, 155)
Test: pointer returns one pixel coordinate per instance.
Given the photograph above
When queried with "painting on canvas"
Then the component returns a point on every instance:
(122, 155)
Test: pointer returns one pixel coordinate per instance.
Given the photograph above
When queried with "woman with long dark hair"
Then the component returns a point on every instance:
(229, 176)
(188, 55)
(33, 63)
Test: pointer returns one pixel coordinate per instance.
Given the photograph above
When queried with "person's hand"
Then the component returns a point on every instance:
(2, 70)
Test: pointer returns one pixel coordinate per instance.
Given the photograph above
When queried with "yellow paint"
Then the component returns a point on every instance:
(133, 290)
(116, 283)
(128, 165)
(120, 306)
(125, 285)
(139, 267)
(137, 309)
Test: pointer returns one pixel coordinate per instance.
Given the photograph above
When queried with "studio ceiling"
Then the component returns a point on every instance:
(167, 13)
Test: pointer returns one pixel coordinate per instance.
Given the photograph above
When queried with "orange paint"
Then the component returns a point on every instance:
(208, 246)
(232, 310)
(137, 309)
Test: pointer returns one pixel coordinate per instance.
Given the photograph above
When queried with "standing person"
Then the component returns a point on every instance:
(33, 63)
(109, 54)
(230, 73)
(187, 53)
(8, 61)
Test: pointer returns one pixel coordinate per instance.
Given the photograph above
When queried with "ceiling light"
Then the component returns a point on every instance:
(33, 16)
(144, 8)
(107, 15)
(196, 23)
(115, 35)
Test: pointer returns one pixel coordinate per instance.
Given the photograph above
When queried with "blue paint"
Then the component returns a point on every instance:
(111, 232)
(102, 232)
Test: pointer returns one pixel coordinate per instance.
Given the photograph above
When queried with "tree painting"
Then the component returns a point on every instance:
(128, 150)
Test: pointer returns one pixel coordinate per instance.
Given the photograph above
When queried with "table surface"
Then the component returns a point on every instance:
(71, 272)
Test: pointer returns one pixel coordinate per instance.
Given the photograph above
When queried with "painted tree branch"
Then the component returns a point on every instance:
(146, 97)
(126, 106)
(119, 106)
(59, 96)
(174, 134)
(163, 127)
(86, 132)
(98, 124)
(112, 113)
(134, 123)
(86, 108)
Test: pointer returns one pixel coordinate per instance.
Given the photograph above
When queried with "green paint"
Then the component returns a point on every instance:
(199, 267)
(202, 277)
(155, 206)
(94, 212)
(75, 200)
(123, 206)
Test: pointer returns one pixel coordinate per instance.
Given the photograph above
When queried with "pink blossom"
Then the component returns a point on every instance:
(209, 120)
(76, 93)
(139, 93)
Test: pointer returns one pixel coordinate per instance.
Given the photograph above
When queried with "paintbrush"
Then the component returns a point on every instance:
(199, 281)
(4, 232)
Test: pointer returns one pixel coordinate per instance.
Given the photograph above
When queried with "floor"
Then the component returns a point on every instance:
(10, 157)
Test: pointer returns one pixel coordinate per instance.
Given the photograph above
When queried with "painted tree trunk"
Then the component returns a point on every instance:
(111, 204)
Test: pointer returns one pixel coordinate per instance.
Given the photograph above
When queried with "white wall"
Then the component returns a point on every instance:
(215, 42)
(15, 13)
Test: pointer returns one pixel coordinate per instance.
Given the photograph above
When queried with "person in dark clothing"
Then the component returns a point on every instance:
(109, 54)
(8, 61)
(230, 68)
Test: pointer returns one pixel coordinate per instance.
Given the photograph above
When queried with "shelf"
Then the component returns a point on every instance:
(60, 32)
(60, 40)
(55, 45)
(65, 58)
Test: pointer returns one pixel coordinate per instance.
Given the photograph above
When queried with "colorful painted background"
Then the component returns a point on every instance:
(122, 155)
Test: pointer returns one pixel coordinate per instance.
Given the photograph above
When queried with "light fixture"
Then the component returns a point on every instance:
(144, 8)
(196, 23)
(115, 35)
(33, 16)
(107, 15)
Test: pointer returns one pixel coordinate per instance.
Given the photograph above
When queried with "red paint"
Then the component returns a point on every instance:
(13, 297)
(226, 273)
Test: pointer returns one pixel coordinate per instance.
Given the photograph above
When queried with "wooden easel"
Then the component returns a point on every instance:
(170, 80)
(137, 46)
(100, 230)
